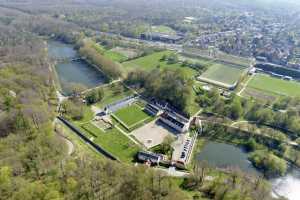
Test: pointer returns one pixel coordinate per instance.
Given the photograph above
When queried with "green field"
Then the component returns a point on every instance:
(163, 29)
(113, 55)
(112, 141)
(113, 93)
(223, 73)
(131, 115)
(151, 62)
(274, 85)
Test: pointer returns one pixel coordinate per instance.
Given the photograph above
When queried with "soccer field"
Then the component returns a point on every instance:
(223, 74)
(151, 62)
(131, 116)
(274, 85)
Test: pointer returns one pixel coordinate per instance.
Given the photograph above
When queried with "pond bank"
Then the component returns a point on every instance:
(72, 72)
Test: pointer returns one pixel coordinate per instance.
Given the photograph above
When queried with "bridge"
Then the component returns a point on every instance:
(64, 60)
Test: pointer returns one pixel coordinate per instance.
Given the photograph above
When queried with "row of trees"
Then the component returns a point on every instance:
(110, 68)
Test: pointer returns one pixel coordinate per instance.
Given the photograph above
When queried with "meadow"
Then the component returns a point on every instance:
(153, 61)
(274, 85)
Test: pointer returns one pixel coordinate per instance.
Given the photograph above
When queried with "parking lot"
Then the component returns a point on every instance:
(182, 148)
(153, 133)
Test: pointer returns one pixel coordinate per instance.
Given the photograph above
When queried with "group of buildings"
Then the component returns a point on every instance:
(168, 116)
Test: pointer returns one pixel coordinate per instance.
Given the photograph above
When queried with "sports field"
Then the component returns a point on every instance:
(274, 85)
(223, 74)
(131, 116)
(163, 29)
(152, 61)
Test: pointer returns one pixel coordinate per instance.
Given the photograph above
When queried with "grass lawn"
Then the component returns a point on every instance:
(113, 141)
(115, 56)
(131, 115)
(151, 62)
(88, 115)
(274, 85)
(163, 29)
(111, 95)
(223, 73)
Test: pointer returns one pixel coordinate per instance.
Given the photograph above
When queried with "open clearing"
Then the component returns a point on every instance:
(131, 115)
(112, 54)
(152, 134)
(113, 141)
(275, 86)
(126, 52)
(113, 93)
(163, 29)
(152, 61)
(223, 73)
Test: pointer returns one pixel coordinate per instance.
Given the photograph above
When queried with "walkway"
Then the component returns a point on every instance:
(171, 171)
(245, 85)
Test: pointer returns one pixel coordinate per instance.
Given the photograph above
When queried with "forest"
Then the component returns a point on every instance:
(34, 163)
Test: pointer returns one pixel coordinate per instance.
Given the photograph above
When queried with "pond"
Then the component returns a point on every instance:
(73, 72)
(223, 155)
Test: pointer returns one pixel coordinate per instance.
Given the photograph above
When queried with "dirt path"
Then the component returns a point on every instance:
(70, 145)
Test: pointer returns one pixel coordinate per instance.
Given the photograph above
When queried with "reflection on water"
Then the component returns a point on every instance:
(73, 72)
(225, 155)
(288, 186)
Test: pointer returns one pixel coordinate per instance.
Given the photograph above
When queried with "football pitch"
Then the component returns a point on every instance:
(225, 75)
(275, 86)
(131, 116)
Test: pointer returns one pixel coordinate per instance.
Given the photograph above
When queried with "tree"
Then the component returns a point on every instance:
(236, 109)
(94, 96)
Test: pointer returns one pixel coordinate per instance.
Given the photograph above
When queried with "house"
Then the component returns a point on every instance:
(161, 37)
(146, 156)
(176, 121)
(153, 109)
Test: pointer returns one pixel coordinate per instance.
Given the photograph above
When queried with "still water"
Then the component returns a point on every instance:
(224, 155)
(73, 72)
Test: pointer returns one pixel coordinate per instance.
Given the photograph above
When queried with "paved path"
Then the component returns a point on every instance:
(173, 172)
(245, 85)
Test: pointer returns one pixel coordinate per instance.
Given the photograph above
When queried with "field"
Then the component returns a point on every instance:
(131, 116)
(163, 29)
(150, 62)
(126, 52)
(111, 54)
(113, 93)
(112, 141)
(274, 86)
(223, 74)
